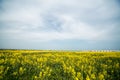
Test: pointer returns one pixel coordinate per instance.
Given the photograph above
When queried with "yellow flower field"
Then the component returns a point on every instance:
(59, 65)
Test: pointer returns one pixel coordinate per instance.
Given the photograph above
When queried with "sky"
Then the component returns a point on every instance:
(60, 24)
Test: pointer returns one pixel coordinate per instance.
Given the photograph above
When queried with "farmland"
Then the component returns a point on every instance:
(59, 65)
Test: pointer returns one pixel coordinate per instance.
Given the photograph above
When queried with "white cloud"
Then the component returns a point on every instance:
(71, 14)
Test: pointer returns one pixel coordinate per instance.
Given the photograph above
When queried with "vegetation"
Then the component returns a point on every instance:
(59, 65)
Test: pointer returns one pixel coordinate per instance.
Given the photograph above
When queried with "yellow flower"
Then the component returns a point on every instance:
(35, 77)
(1, 61)
(14, 73)
(41, 74)
(76, 78)
(1, 69)
(101, 77)
(93, 76)
(21, 70)
(87, 78)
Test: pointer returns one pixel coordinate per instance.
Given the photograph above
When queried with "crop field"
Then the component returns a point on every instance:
(59, 65)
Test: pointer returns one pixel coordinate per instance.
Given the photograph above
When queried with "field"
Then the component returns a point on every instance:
(59, 65)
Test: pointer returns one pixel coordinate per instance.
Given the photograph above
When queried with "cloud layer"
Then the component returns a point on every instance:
(49, 20)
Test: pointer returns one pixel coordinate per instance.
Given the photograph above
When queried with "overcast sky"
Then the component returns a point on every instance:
(60, 24)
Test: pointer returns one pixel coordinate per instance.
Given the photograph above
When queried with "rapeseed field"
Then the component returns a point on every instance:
(59, 65)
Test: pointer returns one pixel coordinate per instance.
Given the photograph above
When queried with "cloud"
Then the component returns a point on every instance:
(45, 20)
